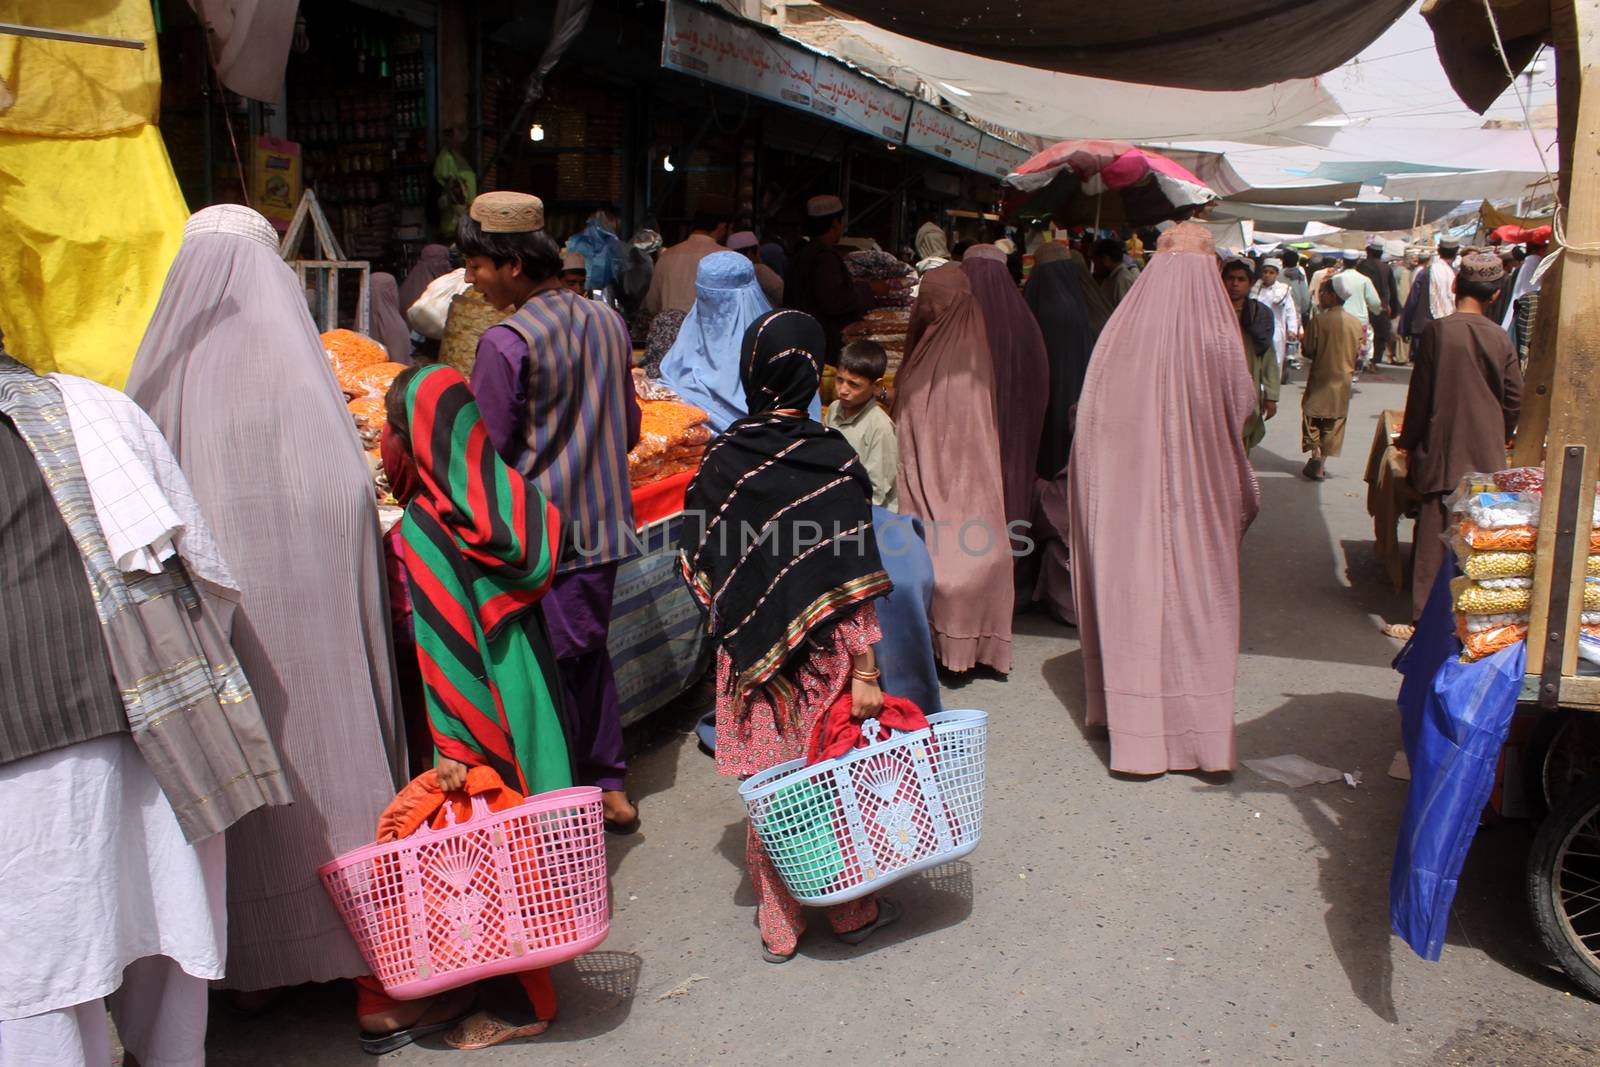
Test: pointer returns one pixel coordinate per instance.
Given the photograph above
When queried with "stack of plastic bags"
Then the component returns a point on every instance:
(364, 372)
(1495, 528)
(673, 435)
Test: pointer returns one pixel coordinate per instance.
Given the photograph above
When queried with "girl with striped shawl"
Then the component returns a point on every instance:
(784, 559)
(478, 543)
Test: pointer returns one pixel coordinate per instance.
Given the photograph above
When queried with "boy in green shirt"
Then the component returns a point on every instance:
(856, 414)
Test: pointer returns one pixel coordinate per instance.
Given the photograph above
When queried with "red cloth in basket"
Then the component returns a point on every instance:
(837, 733)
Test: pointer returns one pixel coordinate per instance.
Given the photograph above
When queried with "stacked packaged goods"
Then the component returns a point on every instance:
(364, 372)
(900, 280)
(673, 435)
(1494, 536)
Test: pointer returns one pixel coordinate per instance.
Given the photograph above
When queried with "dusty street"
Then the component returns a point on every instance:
(1186, 920)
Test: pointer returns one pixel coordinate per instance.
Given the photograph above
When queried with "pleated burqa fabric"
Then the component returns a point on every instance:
(1161, 494)
(1021, 374)
(232, 371)
(1054, 295)
(949, 471)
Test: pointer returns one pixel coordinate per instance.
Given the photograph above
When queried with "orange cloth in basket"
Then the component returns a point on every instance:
(422, 799)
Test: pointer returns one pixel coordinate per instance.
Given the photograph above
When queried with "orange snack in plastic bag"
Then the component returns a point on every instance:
(350, 351)
(370, 416)
(1478, 644)
(371, 380)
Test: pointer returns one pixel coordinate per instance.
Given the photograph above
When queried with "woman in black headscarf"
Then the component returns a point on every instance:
(784, 558)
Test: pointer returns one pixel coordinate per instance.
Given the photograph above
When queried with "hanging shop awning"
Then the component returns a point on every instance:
(699, 40)
(1064, 106)
(1466, 46)
(1218, 45)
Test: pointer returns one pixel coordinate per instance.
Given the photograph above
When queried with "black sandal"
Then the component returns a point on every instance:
(889, 913)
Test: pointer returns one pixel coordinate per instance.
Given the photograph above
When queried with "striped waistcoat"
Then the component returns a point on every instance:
(580, 361)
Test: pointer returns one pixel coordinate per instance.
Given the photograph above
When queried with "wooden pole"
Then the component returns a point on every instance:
(1571, 389)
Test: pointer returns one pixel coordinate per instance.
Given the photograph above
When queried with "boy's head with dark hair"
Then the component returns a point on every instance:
(862, 365)
(866, 359)
(1291, 258)
(507, 251)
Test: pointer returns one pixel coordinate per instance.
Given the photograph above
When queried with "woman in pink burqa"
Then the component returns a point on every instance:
(1161, 494)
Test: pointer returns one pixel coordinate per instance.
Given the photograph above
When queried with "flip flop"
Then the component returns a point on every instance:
(623, 829)
(1400, 631)
(889, 913)
(483, 1031)
(775, 957)
(388, 1041)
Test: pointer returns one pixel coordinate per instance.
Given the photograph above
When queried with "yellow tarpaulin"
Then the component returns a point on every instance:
(90, 211)
(1492, 219)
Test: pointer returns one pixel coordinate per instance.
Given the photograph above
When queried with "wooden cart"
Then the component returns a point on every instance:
(1560, 431)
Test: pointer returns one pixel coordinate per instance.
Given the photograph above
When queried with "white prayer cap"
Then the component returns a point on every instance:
(820, 207)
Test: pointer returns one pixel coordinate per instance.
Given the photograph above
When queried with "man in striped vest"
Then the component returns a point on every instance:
(554, 383)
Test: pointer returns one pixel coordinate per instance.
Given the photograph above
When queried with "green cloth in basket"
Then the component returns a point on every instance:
(801, 840)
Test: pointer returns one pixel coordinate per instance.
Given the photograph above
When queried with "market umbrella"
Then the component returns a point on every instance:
(1105, 183)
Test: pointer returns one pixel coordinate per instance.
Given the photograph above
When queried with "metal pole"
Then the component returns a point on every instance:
(14, 30)
(1097, 199)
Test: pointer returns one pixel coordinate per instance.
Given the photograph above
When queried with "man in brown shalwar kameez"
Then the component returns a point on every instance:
(1466, 392)
(1332, 346)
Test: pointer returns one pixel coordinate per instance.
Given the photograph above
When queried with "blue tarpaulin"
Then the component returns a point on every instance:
(1454, 718)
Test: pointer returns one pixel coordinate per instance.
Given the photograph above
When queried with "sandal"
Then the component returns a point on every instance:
(483, 1030)
(889, 912)
(623, 829)
(390, 1040)
(1400, 631)
(776, 957)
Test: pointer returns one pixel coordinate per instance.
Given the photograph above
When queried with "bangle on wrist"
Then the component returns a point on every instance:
(866, 676)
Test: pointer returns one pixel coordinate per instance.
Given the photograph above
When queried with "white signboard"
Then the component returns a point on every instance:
(853, 100)
(942, 135)
(701, 43)
(999, 157)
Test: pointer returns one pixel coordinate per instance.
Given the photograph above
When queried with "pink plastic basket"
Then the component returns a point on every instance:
(506, 891)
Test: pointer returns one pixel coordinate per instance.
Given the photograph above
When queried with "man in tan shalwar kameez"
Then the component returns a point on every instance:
(1332, 346)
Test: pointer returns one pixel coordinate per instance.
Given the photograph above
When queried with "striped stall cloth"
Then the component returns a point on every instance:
(658, 640)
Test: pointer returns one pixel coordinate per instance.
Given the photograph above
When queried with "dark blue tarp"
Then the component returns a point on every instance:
(1454, 718)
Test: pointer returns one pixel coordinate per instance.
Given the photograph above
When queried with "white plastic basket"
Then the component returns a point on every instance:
(844, 828)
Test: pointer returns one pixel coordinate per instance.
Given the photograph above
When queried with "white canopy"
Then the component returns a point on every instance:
(1065, 106)
(1370, 154)
(1469, 185)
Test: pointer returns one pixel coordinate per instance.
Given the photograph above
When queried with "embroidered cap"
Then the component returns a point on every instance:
(506, 212)
(573, 261)
(1482, 267)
